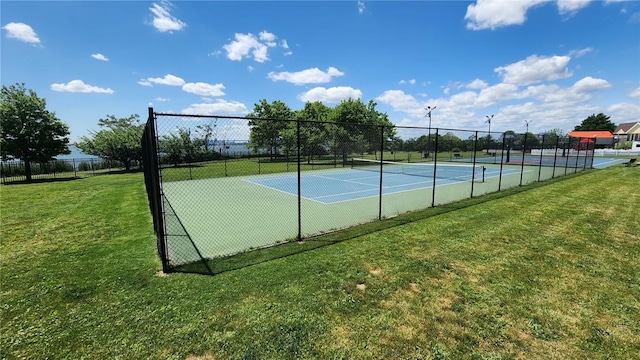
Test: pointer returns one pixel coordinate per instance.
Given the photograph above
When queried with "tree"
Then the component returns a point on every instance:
(29, 131)
(596, 122)
(118, 140)
(314, 133)
(180, 147)
(356, 129)
(552, 137)
(266, 133)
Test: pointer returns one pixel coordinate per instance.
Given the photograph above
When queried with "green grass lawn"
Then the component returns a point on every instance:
(547, 273)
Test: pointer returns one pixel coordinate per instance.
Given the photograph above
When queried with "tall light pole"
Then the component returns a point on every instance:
(429, 109)
(524, 146)
(527, 122)
(489, 117)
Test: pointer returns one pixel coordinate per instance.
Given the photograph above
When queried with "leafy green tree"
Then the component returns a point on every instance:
(180, 147)
(266, 134)
(355, 129)
(314, 131)
(205, 133)
(118, 140)
(596, 122)
(29, 131)
(552, 137)
(449, 142)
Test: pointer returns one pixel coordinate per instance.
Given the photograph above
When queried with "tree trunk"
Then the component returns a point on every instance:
(27, 169)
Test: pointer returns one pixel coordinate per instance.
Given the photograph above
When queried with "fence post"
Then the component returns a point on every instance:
(524, 151)
(435, 165)
(504, 141)
(473, 168)
(540, 164)
(298, 145)
(381, 172)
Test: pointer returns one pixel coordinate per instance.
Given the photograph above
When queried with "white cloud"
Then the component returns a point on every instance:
(166, 80)
(477, 84)
(308, 76)
(161, 99)
(100, 57)
(624, 112)
(22, 32)
(203, 89)
(635, 93)
(285, 45)
(498, 93)
(248, 45)
(360, 6)
(589, 84)
(535, 69)
(400, 101)
(250, 68)
(571, 6)
(144, 82)
(219, 107)
(580, 52)
(492, 14)
(163, 21)
(79, 86)
(330, 95)
(268, 38)
(411, 81)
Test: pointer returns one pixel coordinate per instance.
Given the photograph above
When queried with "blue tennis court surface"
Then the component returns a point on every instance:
(333, 186)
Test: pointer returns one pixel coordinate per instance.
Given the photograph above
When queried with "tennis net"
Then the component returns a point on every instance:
(442, 171)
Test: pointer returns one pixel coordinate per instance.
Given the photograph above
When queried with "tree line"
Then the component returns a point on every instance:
(33, 134)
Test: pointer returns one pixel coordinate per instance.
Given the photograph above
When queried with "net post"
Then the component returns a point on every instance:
(435, 166)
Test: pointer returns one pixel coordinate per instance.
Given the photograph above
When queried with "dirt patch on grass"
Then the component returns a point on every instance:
(361, 287)
(200, 357)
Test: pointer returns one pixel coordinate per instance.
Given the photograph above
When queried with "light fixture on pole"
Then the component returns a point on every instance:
(527, 122)
(429, 109)
(489, 136)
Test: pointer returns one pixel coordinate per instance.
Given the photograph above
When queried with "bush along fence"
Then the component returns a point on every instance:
(292, 179)
(14, 171)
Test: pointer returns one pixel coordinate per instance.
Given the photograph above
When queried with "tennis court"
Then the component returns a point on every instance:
(223, 216)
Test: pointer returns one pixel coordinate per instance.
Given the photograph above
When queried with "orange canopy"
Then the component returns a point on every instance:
(591, 134)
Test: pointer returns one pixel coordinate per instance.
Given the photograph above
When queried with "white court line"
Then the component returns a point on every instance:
(284, 192)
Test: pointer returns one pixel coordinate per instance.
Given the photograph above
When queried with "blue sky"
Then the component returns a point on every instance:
(551, 63)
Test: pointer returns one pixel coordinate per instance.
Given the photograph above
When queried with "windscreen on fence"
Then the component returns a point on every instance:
(223, 185)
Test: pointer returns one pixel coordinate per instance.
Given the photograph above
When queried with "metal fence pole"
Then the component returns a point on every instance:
(381, 172)
(299, 182)
(504, 140)
(473, 168)
(555, 157)
(524, 150)
(435, 165)
(540, 164)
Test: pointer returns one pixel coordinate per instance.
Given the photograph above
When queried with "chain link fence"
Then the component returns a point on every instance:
(15, 172)
(220, 186)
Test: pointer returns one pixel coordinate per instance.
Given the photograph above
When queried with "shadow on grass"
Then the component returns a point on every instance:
(39, 181)
(258, 256)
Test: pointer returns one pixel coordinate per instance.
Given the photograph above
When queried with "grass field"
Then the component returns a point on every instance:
(550, 272)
